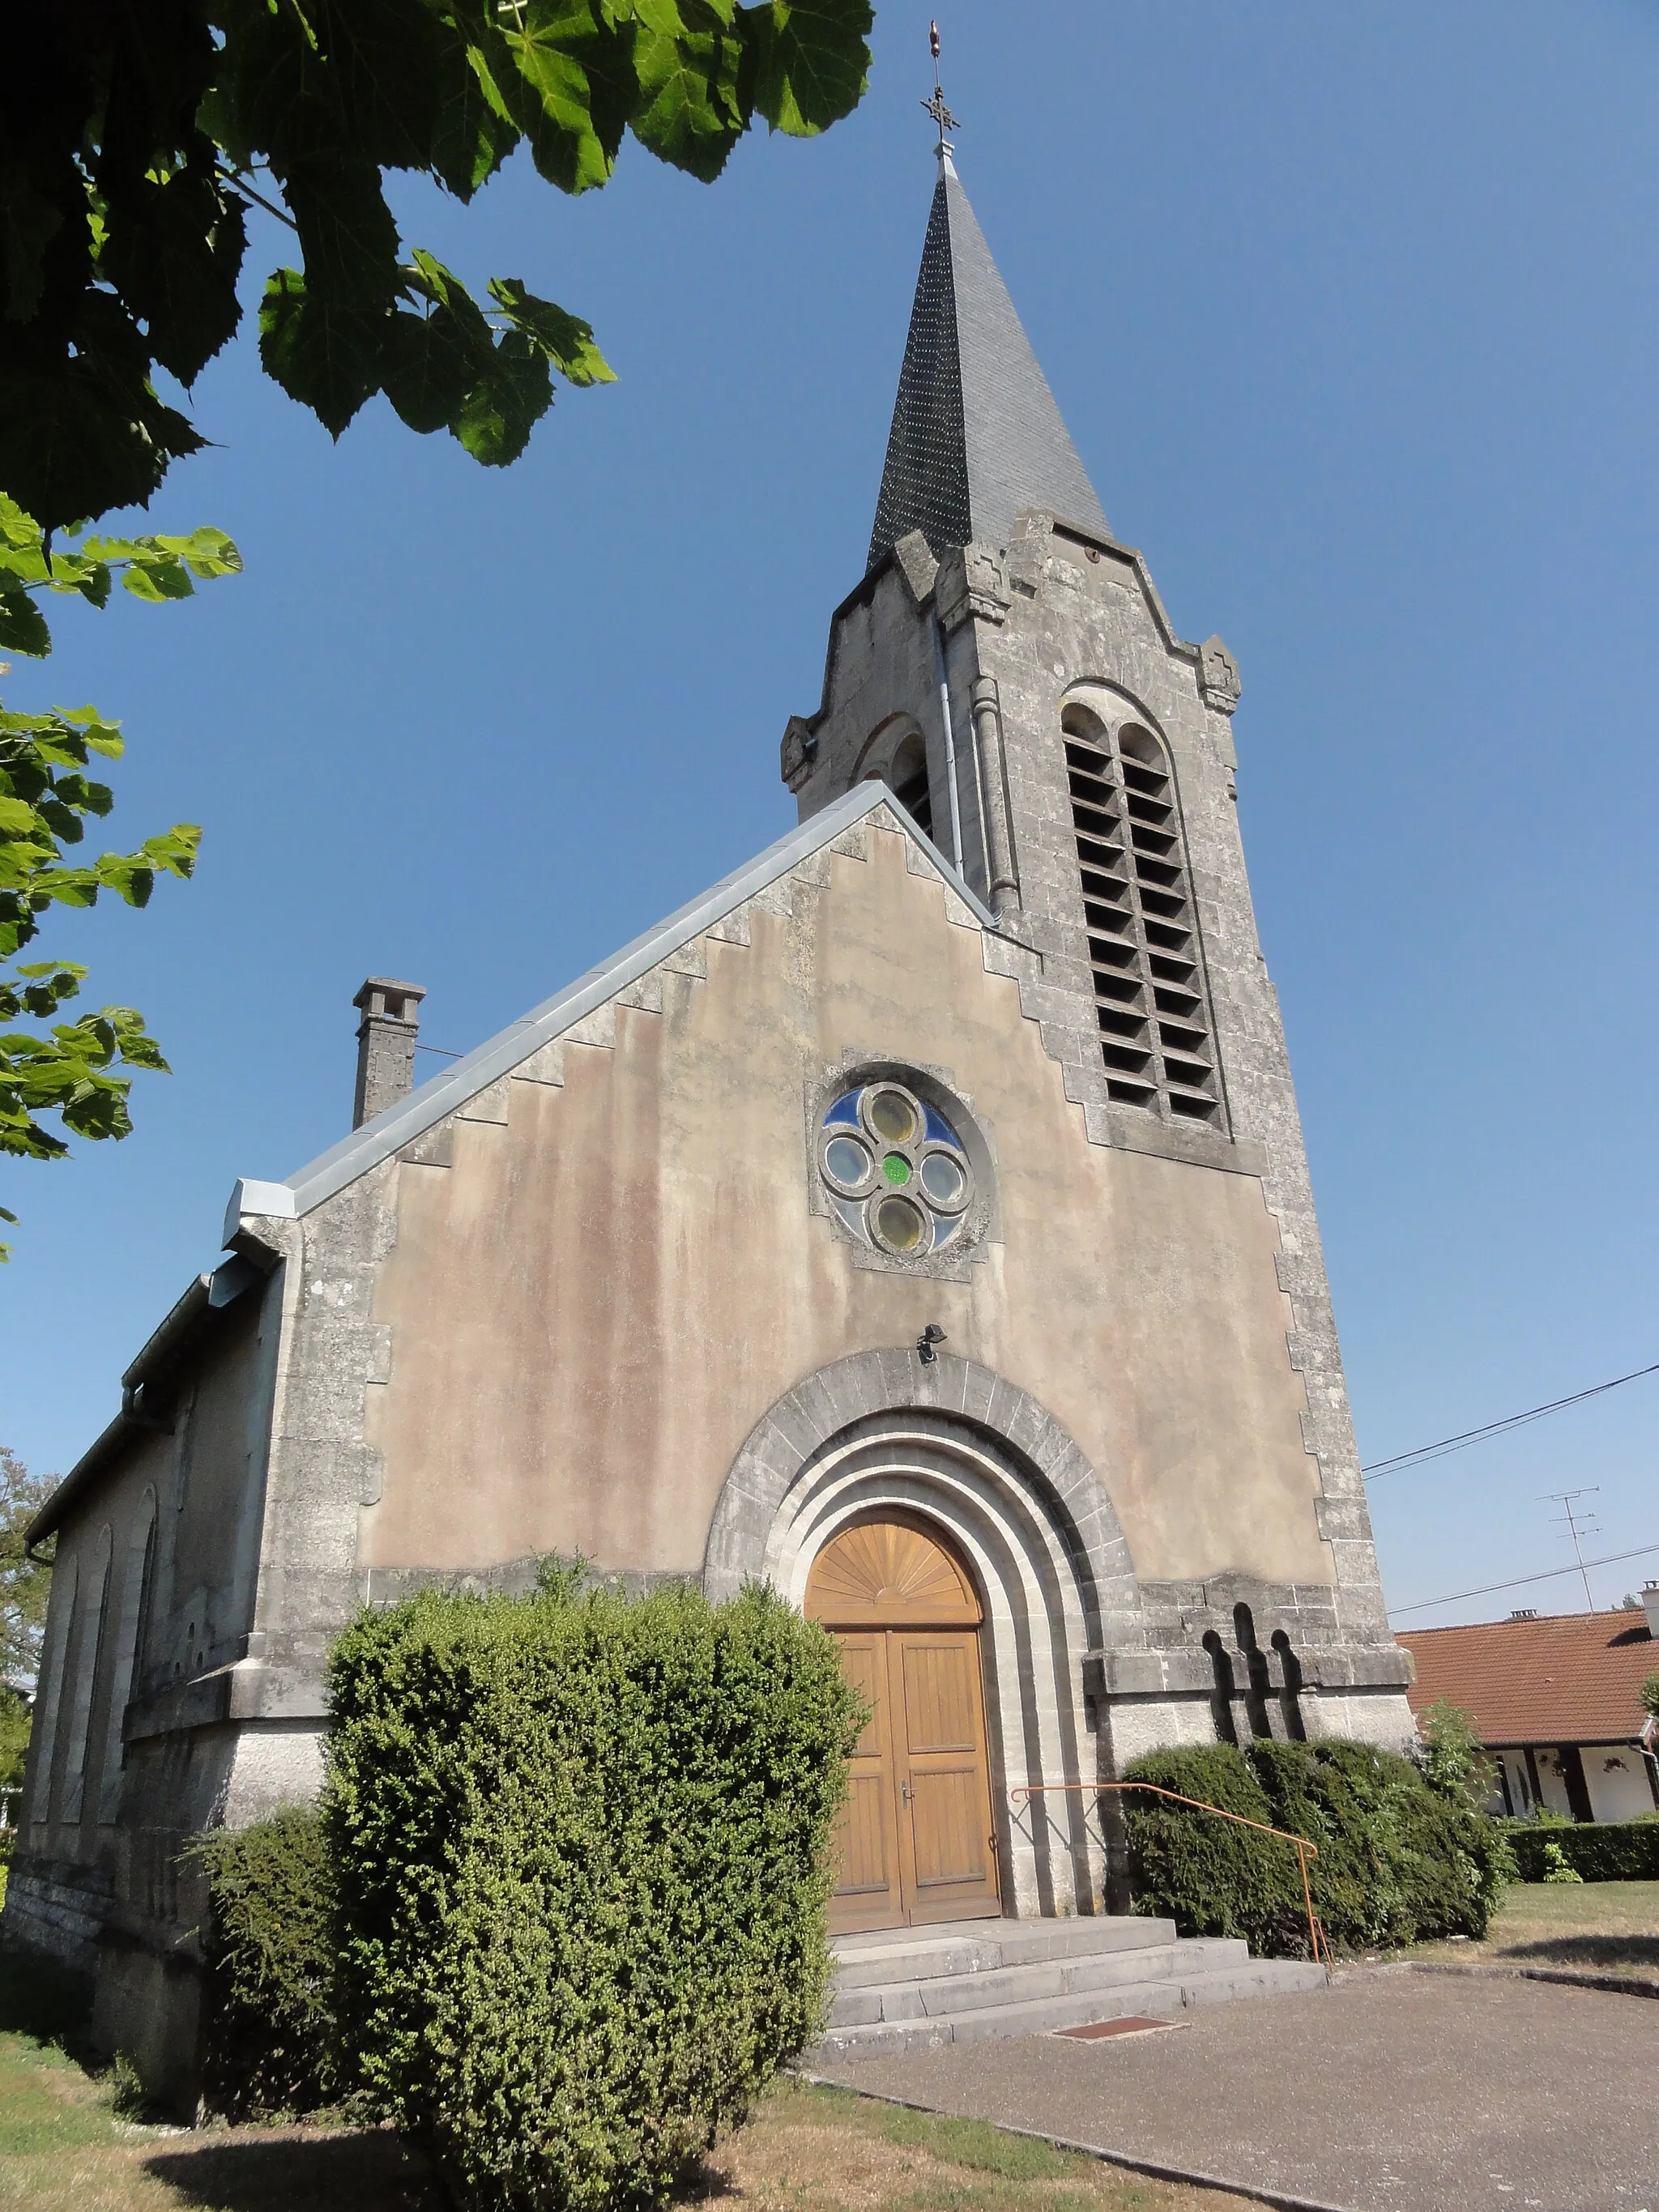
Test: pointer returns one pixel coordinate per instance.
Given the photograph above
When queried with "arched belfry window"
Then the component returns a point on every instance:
(907, 780)
(896, 754)
(1143, 929)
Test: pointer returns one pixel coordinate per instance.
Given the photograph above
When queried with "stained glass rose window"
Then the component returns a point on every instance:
(895, 1170)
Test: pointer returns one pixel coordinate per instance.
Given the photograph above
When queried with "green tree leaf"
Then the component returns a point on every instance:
(82, 429)
(566, 340)
(346, 229)
(76, 572)
(25, 1585)
(427, 367)
(158, 579)
(812, 61)
(174, 254)
(690, 112)
(322, 352)
(22, 626)
(472, 134)
(503, 408)
(565, 79)
(431, 281)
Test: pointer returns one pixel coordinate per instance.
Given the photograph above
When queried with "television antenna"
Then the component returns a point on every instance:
(1578, 1525)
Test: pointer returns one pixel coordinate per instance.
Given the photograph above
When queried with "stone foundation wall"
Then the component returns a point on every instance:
(56, 1909)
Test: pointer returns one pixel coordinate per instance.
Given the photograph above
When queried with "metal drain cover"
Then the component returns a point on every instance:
(1136, 2024)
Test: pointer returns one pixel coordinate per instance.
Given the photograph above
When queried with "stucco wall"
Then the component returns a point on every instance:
(1616, 1775)
(589, 1309)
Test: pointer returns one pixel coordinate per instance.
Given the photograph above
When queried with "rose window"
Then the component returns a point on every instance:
(895, 1170)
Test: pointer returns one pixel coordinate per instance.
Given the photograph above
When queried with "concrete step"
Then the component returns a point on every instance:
(1186, 1984)
(1000, 1985)
(934, 1995)
(894, 1955)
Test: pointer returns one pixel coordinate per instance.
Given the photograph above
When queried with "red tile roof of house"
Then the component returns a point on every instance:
(1569, 1678)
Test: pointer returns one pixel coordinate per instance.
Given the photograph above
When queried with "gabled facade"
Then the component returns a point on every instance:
(919, 1220)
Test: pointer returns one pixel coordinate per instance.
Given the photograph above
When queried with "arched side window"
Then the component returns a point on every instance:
(129, 1628)
(86, 1675)
(1143, 928)
(59, 1622)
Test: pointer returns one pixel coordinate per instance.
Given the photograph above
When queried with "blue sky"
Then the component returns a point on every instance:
(1352, 312)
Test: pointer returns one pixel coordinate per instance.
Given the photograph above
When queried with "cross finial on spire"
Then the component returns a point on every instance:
(935, 106)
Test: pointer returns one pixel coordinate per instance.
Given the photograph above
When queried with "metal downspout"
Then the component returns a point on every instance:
(950, 743)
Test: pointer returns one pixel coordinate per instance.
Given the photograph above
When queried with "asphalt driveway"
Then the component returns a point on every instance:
(1393, 2091)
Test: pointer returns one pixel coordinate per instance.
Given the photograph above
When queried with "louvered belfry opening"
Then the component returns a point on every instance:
(1143, 935)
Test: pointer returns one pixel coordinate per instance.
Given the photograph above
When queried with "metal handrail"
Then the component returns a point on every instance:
(1304, 1850)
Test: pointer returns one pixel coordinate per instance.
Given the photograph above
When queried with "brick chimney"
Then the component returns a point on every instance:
(386, 1045)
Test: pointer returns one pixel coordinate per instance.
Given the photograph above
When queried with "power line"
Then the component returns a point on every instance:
(1423, 1453)
(1425, 1605)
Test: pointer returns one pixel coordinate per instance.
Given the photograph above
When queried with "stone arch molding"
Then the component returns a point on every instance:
(1115, 708)
(955, 1444)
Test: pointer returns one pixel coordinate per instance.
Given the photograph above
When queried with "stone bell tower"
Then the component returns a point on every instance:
(1006, 666)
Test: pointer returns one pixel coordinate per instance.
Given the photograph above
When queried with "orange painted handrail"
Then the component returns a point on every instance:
(1304, 1850)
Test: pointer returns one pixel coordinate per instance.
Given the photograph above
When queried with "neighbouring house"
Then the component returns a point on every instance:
(1557, 1701)
(919, 1219)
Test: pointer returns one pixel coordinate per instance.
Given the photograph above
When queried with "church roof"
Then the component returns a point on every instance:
(976, 436)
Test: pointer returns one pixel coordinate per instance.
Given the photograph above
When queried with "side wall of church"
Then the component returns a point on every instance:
(152, 1604)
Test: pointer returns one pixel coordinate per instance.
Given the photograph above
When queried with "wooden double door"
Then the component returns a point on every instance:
(916, 1843)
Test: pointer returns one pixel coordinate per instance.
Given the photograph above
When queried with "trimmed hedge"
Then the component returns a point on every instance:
(271, 2044)
(582, 1847)
(1208, 1877)
(1396, 1862)
(1607, 1850)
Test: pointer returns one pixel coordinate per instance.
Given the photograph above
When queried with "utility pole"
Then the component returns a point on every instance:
(1578, 1525)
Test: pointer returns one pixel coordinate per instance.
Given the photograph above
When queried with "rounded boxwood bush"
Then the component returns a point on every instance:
(582, 1847)
(1396, 1860)
(1209, 1876)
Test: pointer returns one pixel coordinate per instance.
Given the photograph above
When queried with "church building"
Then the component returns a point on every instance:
(919, 1219)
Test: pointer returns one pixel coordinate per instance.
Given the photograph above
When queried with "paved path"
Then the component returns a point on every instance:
(1390, 2091)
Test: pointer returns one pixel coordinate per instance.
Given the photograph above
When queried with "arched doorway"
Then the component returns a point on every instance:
(916, 1842)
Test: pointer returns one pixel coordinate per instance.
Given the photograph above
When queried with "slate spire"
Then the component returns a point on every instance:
(977, 435)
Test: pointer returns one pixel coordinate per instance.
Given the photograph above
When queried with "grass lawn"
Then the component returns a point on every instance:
(819, 2150)
(1608, 1926)
(64, 2148)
